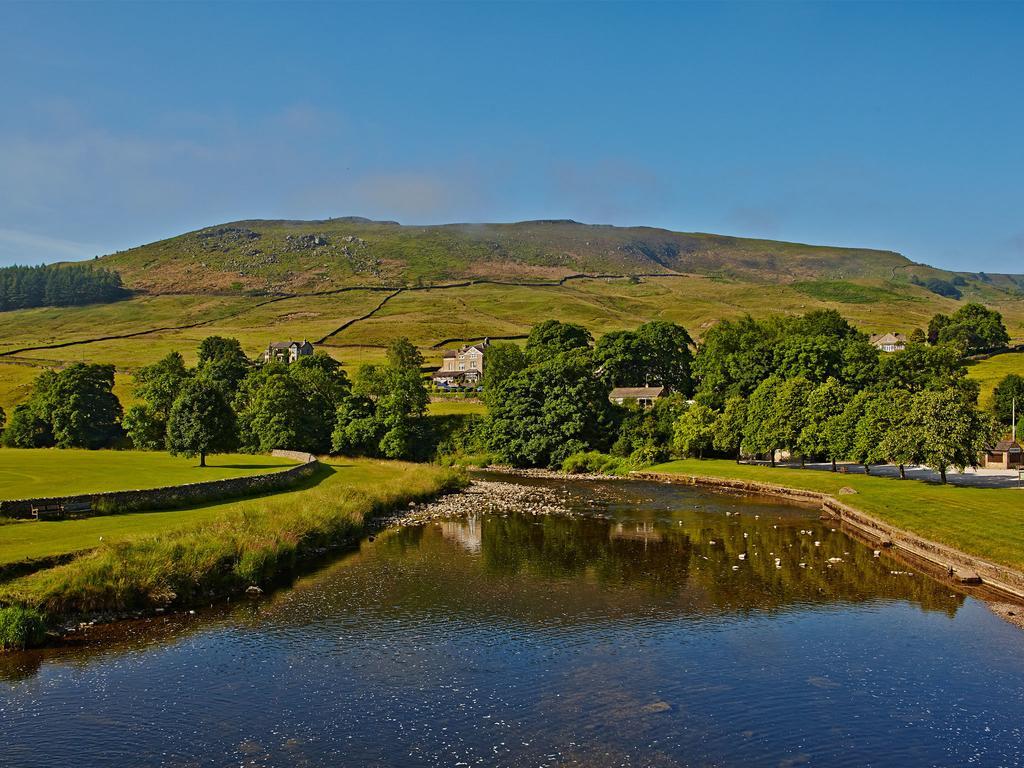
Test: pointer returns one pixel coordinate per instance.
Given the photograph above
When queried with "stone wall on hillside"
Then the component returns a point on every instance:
(170, 497)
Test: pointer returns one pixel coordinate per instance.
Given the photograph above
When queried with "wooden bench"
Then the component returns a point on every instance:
(48, 512)
(78, 508)
(60, 511)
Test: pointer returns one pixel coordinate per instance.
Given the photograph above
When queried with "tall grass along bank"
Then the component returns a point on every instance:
(254, 543)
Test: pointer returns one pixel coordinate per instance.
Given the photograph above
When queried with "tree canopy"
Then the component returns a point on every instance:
(58, 285)
(201, 422)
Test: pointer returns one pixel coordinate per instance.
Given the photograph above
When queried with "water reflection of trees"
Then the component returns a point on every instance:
(701, 556)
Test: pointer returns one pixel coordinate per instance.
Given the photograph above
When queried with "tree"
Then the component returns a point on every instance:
(824, 403)
(728, 430)
(813, 358)
(160, 383)
(734, 357)
(901, 443)
(952, 432)
(874, 424)
(695, 430)
(402, 354)
(274, 417)
(789, 413)
(82, 408)
(503, 360)
(656, 353)
(201, 421)
(973, 327)
(26, 429)
(57, 285)
(146, 429)
(919, 367)
(553, 337)
(861, 363)
(384, 412)
(549, 411)
(3, 420)
(841, 429)
(758, 433)
(1008, 390)
(645, 434)
(935, 326)
(223, 363)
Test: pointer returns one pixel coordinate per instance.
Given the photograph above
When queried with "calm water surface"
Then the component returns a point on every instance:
(637, 637)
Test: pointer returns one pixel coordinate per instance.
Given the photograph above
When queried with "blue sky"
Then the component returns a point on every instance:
(889, 126)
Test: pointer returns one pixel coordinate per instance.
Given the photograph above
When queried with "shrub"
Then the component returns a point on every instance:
(21, 628)
(595, 462)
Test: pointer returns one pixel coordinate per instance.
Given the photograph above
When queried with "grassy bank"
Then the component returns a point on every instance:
(984, 522)
(31, 473)
(229, 547)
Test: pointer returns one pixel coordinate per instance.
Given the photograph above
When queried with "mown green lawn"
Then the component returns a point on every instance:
(985, 522)
(33, 473)
(32, 539)
(456, 408)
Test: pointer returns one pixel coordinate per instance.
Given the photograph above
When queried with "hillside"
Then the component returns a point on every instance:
(351, 285)
(303, 256)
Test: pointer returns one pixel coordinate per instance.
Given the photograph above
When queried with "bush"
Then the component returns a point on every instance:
(21, 628)
(597, 463)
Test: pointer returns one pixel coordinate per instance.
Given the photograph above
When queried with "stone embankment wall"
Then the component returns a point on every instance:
(170, 497)
(962, 566)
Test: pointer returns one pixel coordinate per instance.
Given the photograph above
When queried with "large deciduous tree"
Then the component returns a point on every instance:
(952, 431)
(552, 337)
(695, 430)
(656, 353)
(383, 415)
(201, 422)
(549, 411)
(824, 403)
(729, 425)
(223, 363)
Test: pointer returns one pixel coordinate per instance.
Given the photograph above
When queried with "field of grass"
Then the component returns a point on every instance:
(992, 370)
(31, 473)
(432, 318)
(985, 522)
(456, 408)
(151, 559)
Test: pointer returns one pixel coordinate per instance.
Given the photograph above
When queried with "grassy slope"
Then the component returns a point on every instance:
(361, 252)
(147, 559)
(429, 317)
(980, 521)
(42, 472)
(991, 371)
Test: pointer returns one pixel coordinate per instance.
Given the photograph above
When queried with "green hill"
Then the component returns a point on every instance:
(351, 285)
(320, 255)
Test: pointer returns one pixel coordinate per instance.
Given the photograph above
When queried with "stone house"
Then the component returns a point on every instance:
(889, 342)
(286, 351)
(642, 396)
(462, 367)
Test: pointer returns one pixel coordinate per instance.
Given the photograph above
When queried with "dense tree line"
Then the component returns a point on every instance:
(72, 408)
(813, 386)
(57, 285)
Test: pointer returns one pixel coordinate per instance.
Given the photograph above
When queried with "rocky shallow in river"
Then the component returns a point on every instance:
(486, 497)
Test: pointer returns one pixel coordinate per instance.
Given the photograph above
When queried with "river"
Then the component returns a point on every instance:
(630, 634)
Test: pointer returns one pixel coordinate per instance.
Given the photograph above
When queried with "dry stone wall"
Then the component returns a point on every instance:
(170, 497)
